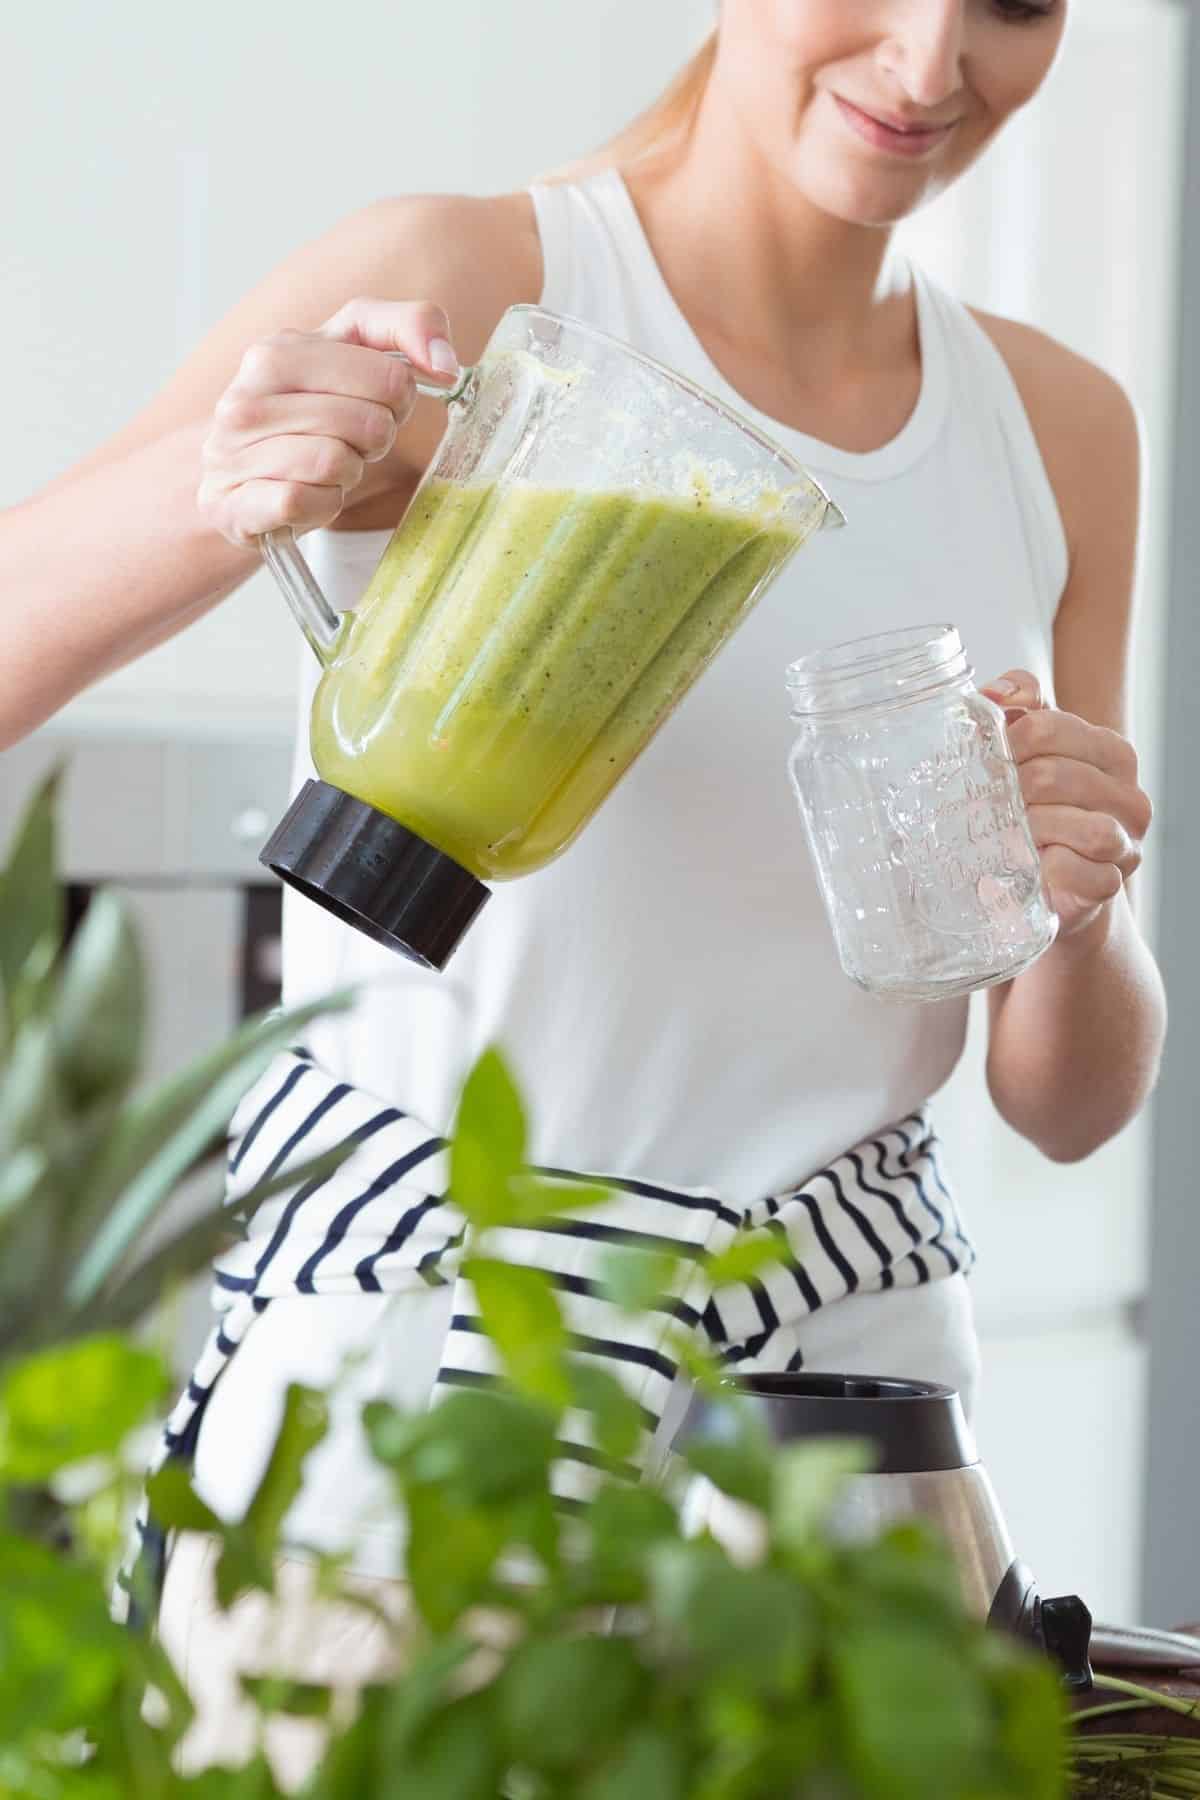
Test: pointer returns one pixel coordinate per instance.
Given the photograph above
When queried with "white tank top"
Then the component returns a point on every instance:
(668, 990)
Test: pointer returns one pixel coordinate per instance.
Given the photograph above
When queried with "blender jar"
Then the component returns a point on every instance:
(591, 530)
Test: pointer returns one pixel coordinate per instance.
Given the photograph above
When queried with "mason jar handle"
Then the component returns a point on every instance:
(287, 563)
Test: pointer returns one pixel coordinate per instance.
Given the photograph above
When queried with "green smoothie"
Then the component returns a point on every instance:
(516, 649)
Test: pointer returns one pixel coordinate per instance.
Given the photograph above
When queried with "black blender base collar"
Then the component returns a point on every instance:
(374, 874)
(913, 1426)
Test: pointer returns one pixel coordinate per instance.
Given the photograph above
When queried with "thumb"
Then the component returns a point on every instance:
(1017, 691)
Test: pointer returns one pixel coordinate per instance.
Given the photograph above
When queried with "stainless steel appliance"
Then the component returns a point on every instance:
(927, 1465)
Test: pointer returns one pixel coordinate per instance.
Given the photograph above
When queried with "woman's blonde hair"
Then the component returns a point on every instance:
(665, 121)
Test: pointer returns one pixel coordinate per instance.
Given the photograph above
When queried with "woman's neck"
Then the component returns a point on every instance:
(808, 317)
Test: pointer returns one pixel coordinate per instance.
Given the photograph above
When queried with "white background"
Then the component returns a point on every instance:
(159, 159)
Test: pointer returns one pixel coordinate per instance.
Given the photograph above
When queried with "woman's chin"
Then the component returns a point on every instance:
(858, 197)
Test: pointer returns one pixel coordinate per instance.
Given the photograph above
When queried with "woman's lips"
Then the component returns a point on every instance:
(906, 141)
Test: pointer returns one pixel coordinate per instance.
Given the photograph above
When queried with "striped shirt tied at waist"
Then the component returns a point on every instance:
(879, 1216)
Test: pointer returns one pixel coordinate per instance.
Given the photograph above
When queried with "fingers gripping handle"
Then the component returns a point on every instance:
(296, 581)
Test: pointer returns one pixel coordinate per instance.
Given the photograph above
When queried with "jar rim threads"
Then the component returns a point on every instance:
(887, 668)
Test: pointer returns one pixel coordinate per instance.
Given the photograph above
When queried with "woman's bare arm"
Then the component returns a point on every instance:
(1075, 1041)
(115, 555)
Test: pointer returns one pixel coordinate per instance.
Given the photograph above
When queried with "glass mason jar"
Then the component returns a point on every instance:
(913, 808)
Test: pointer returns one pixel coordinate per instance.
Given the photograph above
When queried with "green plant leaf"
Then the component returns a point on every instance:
(452, 1550)
(760, 1747)
(174, 1502)
(535, 1524)
(650, 1765)
(248, 1548)
(734, 1452)
(627, 1525)
(805, 1481)
(298, 1699)
(392, 1435)
(30, 1233)
(61, 1656)
(1031, 1719)
(631, 1520)
(562, 1702)
(305, 1422)
(64, 1404)
(30, 1000)
(412, 1701)
(455, 1758)
(637, 1280)
(34, 1782)
(242, 1568)
(21, 1173)
(748, 1255)
(616, 1416)
(347, 1771)
(755, 1630)
(521, 1314)
(31, 1104)
(31, 900)
(483, 1445)
(32, 1258)
(914, 1713)
(535, 1198)
(488, 1147)
(910, 1571)
(99, 1009)
(700, 1362)
(157, 1140)
(252, 1781)
(136, 1287)
(149, 1666)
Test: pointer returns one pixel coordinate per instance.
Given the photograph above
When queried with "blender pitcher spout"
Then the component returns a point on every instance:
(833, 518)
(811, 507)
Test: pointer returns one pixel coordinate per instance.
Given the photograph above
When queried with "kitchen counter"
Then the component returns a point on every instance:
(1183, 1685)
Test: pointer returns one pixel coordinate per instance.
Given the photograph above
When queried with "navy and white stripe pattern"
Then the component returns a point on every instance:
(878, 1217)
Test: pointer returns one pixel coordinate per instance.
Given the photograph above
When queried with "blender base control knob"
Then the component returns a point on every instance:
(1067, 1635)
(1061, 1626)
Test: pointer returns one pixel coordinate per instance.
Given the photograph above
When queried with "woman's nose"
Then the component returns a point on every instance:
(923, 49)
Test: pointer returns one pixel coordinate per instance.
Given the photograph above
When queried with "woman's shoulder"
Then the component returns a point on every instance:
(1053, 380)
(473, 255)
(1085, 423)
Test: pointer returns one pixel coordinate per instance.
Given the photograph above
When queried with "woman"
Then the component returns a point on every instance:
(668, 990)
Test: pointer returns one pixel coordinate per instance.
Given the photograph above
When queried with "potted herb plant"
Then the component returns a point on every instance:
(636, 1662)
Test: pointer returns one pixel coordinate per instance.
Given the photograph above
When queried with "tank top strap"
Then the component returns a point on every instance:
(552, 206)
(588, 273)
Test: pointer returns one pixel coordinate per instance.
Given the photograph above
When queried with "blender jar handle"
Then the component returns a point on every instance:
(296, 581)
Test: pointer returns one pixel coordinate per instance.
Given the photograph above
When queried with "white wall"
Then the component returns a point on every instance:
(1070, 224)
(159, 160)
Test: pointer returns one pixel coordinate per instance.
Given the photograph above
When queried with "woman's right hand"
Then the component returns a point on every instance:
(307, 411)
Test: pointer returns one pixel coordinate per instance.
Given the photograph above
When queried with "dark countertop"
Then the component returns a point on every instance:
(1182, 1685)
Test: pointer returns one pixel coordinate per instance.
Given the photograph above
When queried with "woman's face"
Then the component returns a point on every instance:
(871, 107)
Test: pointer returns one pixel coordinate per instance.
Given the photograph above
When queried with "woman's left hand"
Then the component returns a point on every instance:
(1086, 810)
